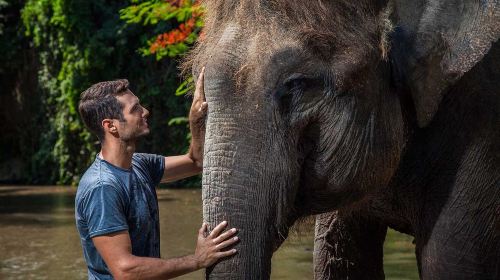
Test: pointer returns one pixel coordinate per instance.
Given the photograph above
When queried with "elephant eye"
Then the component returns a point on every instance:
(296, 82)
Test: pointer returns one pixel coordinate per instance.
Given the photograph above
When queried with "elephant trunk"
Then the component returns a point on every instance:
(233, 191)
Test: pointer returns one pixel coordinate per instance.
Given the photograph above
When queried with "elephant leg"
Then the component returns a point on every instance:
(348, 246)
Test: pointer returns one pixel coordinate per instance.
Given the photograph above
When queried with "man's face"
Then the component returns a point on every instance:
(135, 124)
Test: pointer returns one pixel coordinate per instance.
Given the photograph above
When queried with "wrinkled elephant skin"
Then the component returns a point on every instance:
(372, 114)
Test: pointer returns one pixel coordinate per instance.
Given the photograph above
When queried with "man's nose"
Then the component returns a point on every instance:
(145, 113)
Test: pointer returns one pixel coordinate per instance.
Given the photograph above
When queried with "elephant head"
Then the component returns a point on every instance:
(311, 104)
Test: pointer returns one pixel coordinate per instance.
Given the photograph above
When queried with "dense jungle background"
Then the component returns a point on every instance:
(52, 50)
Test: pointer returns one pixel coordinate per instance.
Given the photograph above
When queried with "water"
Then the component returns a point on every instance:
(38, 238)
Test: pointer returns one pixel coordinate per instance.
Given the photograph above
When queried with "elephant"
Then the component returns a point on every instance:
(369, 114)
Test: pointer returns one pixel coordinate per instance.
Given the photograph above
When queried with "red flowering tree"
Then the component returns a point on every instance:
(180, 22)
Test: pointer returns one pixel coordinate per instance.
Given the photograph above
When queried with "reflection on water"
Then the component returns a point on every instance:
(38, 237)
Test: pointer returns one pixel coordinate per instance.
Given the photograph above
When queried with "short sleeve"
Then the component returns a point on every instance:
(104, 211)
(152, 164)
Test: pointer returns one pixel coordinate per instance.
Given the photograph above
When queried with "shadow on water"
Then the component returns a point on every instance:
(166, 199)
(36, 203)
(12, 190)
(45, 208)
(42, 209)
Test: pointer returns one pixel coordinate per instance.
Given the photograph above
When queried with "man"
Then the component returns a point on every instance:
(116, 204)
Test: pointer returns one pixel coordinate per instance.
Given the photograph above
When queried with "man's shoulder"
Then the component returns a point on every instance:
(145, 156)
(148, 161)
(98, 190)
(97, 175)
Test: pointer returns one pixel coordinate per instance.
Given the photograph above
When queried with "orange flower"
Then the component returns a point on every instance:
(190, 22)
(153, 47)
(186, 29)
(170, 38)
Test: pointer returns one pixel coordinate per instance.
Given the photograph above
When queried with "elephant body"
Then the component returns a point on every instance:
(370, 114)
(445, 193)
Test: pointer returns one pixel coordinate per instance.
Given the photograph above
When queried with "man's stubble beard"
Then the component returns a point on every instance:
(134, 137)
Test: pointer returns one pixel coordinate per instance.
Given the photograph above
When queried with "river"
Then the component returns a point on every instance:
(38, 237)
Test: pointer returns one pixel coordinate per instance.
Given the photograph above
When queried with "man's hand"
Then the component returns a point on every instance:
(209, 249)
(197, 116)
(179, 167)
(116, 250)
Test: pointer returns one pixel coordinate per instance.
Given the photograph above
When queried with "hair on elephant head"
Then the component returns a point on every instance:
(312, 104)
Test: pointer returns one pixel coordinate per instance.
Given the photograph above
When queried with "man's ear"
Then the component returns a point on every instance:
(109, 126)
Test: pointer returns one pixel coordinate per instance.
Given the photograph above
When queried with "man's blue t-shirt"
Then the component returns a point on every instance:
(111, 199)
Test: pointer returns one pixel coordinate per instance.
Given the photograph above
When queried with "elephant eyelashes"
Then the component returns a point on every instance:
(295, 84)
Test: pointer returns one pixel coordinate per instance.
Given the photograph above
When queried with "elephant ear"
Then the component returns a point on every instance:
(436, 42)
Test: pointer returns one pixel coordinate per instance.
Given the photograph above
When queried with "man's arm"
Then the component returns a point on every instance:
(116, 250)
(179, 167)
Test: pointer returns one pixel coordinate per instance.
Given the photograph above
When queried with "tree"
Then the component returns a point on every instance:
(81, 42)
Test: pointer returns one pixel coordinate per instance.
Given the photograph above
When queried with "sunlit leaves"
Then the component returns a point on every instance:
(185, 87)
(151, 12)
(185, 16)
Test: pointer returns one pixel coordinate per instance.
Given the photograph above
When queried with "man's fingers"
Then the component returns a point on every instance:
(218, 229)
(225, 253)
(200, 87)
(225, 235)
(202, 230)
(227, 243)
(203, 107)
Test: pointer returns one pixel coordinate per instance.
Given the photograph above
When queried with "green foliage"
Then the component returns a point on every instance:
(177, 25)
(79, 43)
(155, 11)
(52, 50)
(19, 105)
(178, 22)
(177, 121)
(3, 4)
(185, 87)
(62, 32)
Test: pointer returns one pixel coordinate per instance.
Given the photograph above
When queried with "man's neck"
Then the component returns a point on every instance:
(118, 153)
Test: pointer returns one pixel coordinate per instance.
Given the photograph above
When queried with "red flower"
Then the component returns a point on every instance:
(190, 22)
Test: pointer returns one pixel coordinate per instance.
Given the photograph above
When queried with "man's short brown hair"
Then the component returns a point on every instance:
(99, 102)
